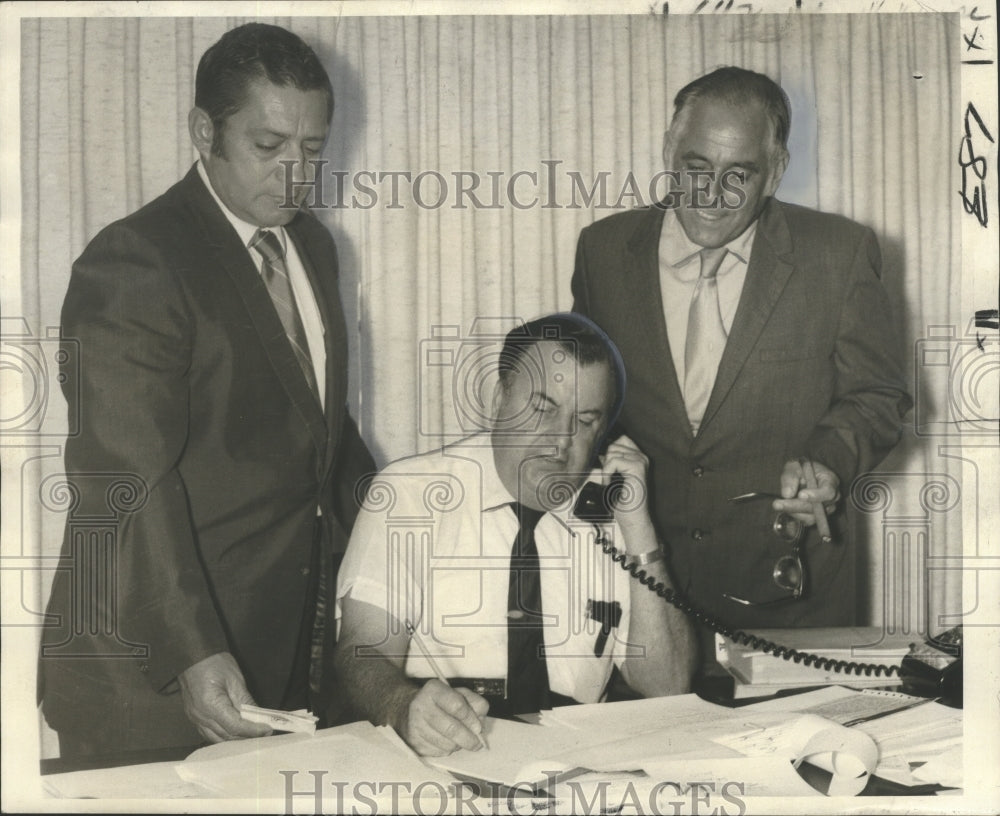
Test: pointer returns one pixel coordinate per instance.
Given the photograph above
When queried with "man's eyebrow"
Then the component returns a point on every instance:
(266, 131)
(693, 156)
(541, 395)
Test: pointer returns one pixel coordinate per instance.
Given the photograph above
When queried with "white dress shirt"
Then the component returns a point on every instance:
(432, 544)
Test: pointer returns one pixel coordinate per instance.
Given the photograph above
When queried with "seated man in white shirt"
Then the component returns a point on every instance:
(516, 621)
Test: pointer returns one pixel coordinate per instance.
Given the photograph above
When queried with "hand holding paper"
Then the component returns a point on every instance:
(300, 721)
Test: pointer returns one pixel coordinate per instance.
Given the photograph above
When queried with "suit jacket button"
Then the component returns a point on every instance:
(304, 570)
(697, 471)
(698, 534)
(144, 668)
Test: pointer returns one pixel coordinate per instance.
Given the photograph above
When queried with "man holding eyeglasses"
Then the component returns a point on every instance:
(762, 358)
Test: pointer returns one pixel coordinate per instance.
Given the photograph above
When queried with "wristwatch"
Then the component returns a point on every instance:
(642, 559)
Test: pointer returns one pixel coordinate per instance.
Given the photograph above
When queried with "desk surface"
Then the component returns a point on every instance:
(712, 689)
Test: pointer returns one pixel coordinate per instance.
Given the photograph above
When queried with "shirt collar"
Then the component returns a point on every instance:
(480, 449)
(677, 250)
(244, 229)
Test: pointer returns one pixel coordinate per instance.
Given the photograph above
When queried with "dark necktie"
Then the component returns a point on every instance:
(527, 675)
(279, 287)
(706, 338)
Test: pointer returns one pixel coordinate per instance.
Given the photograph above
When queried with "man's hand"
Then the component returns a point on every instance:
(441, 719)
(632, 514)
(797, 500)
(213, 690)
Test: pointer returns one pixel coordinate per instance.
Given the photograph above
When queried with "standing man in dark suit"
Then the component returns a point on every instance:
(760, 349)
(213, 382)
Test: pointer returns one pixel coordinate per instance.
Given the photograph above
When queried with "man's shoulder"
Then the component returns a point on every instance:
(624, 224)
(444, 475)
(168, 220)
(453, 459)
(807, 223)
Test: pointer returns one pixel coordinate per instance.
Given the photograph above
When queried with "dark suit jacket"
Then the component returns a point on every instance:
(191, 394)
(811, 368)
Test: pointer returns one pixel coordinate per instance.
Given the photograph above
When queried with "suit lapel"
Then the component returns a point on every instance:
(767, 274)
(229, 254)
(646, 296)
(324, 288)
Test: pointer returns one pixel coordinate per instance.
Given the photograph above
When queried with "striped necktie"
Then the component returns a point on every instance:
(279, 287)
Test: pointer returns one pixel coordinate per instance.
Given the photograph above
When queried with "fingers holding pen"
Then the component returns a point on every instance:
(442, 719)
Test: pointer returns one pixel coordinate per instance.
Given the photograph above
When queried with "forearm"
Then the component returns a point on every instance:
(375, 686)
(664, 636)
(658, 632)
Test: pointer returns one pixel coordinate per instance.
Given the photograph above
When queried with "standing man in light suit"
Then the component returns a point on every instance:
(759, 344)
(214, 376)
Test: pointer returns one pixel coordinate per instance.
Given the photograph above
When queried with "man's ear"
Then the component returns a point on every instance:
(497, 402)
(202, 131)
(668, 149)
(778, 167)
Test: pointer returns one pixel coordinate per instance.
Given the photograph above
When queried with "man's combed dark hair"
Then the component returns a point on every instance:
(738, 86)
(578, 336)
(251, 52)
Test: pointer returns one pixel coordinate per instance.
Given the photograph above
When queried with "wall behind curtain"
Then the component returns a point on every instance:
(875, 97)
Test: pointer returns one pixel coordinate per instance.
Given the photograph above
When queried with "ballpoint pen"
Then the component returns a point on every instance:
(433, 664)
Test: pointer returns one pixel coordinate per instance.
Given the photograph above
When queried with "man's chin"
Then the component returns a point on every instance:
(277, 216)
(709, 231)
(549, 486)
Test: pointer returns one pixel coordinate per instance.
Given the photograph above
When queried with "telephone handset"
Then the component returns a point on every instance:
(934, 668)
(596, 503)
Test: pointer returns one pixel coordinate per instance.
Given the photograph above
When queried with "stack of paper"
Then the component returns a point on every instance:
(919, 740)
(758, 673)
(272, 767)
(300, 721)
(668, 740)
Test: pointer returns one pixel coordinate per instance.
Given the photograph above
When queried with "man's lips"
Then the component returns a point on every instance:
(709, 215)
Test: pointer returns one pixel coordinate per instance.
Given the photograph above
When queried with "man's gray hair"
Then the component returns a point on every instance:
(738, 86)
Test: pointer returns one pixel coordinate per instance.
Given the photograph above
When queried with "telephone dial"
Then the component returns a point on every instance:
(932, 669)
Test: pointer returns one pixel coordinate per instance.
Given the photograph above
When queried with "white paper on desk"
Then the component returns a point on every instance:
(839, 704)
(945, 768)
(518, 753)
(849, 755)
(252, 768)
(640, 751)
(744, 776)
(155, 780)
(636, 716)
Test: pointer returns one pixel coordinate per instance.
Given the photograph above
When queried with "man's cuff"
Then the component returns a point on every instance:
(828, 447)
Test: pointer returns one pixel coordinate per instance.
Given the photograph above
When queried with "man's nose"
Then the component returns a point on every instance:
(559, 432)
(295, 161)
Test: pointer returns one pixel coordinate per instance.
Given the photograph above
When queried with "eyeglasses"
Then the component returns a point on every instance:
(789, 572)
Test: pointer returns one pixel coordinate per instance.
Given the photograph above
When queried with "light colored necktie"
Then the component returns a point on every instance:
(279, 286)
(706, 338)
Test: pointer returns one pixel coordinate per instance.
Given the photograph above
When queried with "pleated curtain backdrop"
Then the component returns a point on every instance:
(875, 98)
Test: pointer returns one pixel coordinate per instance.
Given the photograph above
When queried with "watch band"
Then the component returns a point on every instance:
(642, 559)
